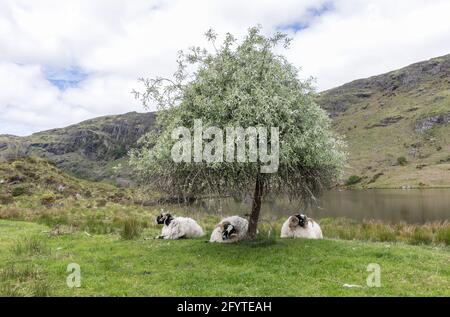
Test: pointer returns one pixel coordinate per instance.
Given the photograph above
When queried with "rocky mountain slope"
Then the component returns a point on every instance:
(90, 149)
(397, 125)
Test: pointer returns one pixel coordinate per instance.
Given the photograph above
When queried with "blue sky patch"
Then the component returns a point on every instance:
(296, 27)
(64, 78)
(312, 13)
(324, 8)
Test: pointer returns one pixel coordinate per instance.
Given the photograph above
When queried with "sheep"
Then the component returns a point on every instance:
(300, 226)
(178, 227)
(231, 229)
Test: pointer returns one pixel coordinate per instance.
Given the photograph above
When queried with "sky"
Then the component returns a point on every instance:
(62, 62)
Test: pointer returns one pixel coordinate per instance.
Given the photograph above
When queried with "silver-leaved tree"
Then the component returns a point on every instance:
(243, 85)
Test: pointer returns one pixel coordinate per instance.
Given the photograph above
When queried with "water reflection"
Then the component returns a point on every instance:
(389, 205)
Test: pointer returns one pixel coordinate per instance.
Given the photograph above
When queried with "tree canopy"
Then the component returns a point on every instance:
(239, 84)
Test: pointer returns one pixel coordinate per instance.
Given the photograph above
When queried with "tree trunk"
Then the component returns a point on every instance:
(256, 208)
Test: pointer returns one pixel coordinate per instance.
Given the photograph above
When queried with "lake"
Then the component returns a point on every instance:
(389, 205)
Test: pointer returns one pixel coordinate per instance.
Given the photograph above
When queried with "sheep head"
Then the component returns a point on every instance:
(228, 231)
(298, 220)
(164, 218)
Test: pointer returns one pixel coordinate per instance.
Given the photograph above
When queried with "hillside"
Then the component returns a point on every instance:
(90, 149)
(34, 183)
(397, 125)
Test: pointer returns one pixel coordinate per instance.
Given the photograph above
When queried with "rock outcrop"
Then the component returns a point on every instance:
(427, 123)
(386, 122)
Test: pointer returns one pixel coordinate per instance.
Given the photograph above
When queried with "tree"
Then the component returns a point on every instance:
(240, 84)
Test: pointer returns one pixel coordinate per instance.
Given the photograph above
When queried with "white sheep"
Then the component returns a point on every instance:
(231, 229)
(300, 226)
(178, 227)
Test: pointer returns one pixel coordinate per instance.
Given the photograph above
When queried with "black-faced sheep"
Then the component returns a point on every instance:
(231, 229)
(178, 227)
(300, 226)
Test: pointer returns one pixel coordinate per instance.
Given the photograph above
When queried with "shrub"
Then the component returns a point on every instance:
(119, 152)
(48, 200)
(353, 180)
(385, 234)
(421, 236)
(131, 229)
(402, 161)
(87, 194)
(443, 235)
(101, 203)
(18, 191)
(98, 225)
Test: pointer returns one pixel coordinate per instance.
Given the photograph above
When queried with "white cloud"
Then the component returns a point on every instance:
(116, 41)
(365, 38)
(28, 102)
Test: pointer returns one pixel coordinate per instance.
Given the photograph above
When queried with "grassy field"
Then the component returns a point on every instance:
(34, 262)
(49, 220)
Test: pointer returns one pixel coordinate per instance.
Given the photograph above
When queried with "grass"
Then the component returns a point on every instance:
(113, 266)
(128, 221)
(131, 229)
(110, 234)
(435, 233)
(25, 281)
(31, 246)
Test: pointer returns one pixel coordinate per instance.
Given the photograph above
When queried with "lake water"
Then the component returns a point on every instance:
(389, 205)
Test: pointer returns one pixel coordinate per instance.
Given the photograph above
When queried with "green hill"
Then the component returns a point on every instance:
(90, 149)
(397, 125)
(34, 183)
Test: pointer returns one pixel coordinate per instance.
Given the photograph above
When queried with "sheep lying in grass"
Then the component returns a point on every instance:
(178, 227)
(231, 229)
(300, 226)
